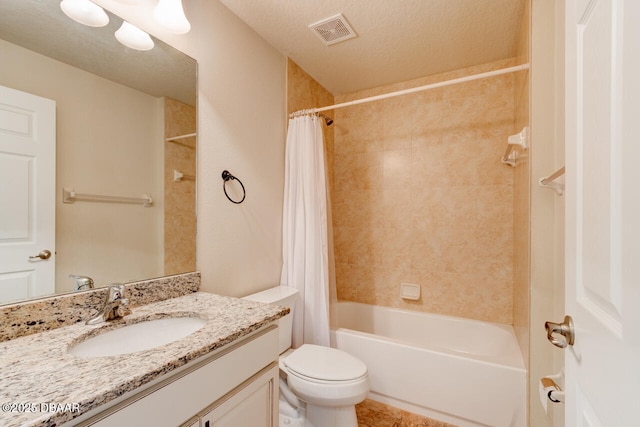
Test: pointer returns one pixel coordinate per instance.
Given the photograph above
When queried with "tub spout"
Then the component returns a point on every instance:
(82, 282)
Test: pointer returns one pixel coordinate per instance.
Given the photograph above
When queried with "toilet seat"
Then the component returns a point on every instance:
(326, 376)
(329, 393)
(324, 364)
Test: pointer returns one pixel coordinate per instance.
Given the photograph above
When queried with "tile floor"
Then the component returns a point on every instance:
(375, 414)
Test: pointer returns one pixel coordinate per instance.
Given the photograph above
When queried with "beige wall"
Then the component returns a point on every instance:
(421, 197)
(95, 157)
(179, 196)
(521, 196)
(547, 208)
(241, 127)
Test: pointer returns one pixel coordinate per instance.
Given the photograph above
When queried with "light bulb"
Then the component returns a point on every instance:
(133, 37)
(170, 15)
(85, 12)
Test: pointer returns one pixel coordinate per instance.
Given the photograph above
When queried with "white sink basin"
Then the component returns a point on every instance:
(137, 337)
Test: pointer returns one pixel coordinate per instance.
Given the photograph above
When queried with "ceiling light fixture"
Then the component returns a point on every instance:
(169, 14)
(133, 37)
(85, 12)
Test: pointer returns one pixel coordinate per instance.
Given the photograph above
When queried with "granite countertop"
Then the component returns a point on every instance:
(43, 385)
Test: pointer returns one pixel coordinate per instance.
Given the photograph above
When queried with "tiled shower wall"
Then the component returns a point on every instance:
(179, 197)
(305, 93)
(420, 196)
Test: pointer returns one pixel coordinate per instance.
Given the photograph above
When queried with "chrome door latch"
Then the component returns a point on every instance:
(565, 329)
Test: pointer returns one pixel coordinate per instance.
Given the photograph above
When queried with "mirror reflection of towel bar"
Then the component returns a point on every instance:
(70, 196)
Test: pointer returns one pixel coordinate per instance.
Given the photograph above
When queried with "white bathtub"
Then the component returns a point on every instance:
(464, 372)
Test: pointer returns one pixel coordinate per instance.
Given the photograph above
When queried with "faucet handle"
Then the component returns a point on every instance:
(123, 308)
(116, 306)
(116, 292)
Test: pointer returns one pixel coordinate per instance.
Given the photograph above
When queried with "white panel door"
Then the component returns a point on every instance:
(603, 212)
(27, 194)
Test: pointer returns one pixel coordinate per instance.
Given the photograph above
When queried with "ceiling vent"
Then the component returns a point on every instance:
(333, 30)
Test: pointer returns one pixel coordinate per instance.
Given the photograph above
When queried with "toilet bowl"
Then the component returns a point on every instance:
(319, 386)
(330, 381)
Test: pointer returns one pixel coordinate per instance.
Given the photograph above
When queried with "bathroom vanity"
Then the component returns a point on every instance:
(235, 387)
(225, 373)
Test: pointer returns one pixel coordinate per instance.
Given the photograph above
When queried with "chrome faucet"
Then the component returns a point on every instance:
(115, 307)
(82, 282)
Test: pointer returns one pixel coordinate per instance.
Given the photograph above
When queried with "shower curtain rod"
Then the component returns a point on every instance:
(423, 88)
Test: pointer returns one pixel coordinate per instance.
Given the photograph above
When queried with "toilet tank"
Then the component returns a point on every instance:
(283, 296)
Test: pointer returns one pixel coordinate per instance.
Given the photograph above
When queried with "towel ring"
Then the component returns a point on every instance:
(226, 176)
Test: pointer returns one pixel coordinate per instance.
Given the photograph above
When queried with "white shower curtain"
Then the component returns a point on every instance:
(305, 234)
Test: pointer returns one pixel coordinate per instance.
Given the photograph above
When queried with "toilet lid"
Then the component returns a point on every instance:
(325, 363)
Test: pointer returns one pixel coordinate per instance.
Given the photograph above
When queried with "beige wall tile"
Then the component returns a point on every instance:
(428, 167)
(421, 196)
(419, 193)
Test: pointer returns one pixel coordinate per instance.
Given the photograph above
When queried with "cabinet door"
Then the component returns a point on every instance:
(255, 405)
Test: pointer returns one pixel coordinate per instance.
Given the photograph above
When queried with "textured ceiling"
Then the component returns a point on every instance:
(397, 39)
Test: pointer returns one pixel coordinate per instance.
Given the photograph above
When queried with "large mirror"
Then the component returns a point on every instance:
(125, 126)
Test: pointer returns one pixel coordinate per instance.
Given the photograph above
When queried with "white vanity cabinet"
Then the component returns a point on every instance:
(252, 405)
(234, 386)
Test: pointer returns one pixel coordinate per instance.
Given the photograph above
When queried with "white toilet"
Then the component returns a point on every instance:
(321, 385)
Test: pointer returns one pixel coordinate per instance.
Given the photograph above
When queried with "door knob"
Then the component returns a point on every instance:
(46, 254)
(565, 329)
